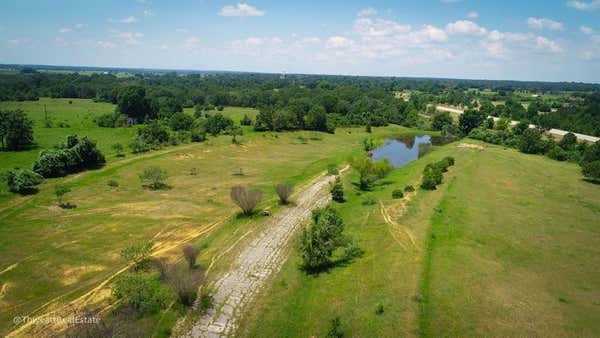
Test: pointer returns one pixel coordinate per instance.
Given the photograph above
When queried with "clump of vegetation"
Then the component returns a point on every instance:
(60, 191)
(138, 255)
(118, 148)
(112, 183)
(379, 310)
(23, 181)
(16, 130)
(332, 169)
(335, 329)
(337, 190)
(397, 194)
(194, 171)
(284, 191)
(369, 201)
(371, 143)
(433, 173)
(75, 155)
(206, 301)
(370, 171)
(154, 178)
(141, 292)
(191, 254)
(319, 241)
(409, 188)
(246, 199)
(184, 283)
(246, 120)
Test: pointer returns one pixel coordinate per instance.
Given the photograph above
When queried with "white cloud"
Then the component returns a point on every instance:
(429, 34)
(129, 19)
(148, 12)
(544, 23)
(182, 30)
(339, 42)
(545, 44)
(369, 11)
(64, 30)
(367, 27)
(107, 44)
(472, 15)
(465, 27)
(586, 30)
(584, 5)
(241, 9)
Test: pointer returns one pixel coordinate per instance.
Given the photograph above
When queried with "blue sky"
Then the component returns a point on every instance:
(522, 40)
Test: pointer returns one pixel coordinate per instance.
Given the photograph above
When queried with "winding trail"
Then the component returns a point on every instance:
(262, 258)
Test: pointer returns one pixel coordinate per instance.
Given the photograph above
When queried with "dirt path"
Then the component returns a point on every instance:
(262, 258)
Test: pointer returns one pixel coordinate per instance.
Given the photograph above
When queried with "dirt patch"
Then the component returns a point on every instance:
(471, 146)
(55, 209)
(183, 156)
(73, 275)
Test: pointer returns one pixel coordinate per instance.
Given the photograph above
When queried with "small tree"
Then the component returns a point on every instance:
(185, 283)
(22, 181)
(440, 120)
(60, 191)
(569, 141)
(368, 128)
(153, 177)
(246, 120)
(591, 170)
(138, 255)
(191, 254)
(337, 190)
(370, 171)
(320, 240)
(234, 131)
(16, 130)
(284, 191)
(530, 142)
(141, 292)
(247, 200)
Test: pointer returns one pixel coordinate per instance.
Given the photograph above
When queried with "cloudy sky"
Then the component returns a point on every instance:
(551, 40)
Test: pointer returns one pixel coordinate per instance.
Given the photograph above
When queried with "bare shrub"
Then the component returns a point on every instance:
(162, 267)
(190, 253)
(185, 283)
(284, 191)
(247, 200)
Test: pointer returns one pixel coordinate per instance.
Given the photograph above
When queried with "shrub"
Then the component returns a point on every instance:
(246, 120)
(558, 154)
(591, 170)
(335, 329)
(247, 200)
(154, 132)
(397, 193)
(409, 188)
(138, 255)
(22, 181)
(60, 191)
(370, 171)
(184, 284)
(162, 267)
(337, 190)
(332, 169)
(181, 121)
(217, 123)
(112, 183)
(198, 135)
(141, 292)
(76, 155)
(284, 191)
(379, 310)
(153, 178)
(118, 148)
(319, 241)
(190, 253)
(530, 142)
(206, 301)
(139, 146)
(16, 130)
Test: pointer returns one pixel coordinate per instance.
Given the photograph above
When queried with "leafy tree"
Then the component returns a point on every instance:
(154, 132)
(22, 181)
(138, 255)
(531, 142)
(568, 141)
(470, 120)
(284, 191)
(591, 170)
(246, 120)
(60, 191)
(592, 153)
(153, 177)
(370, 171)
(217, 123)
(16, 130)
(319, 241)
(558, 154)
(181, 121)
(133, 102)
(247, 200)
(337, 190)
(234, 131)
(141, 292)
(440, 120)
(520, 128)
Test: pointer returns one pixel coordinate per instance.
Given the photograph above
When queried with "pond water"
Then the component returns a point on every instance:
(403, 150)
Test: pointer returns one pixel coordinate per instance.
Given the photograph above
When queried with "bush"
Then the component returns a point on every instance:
(335, 330)
(397, 193)
(530, 142)
(138, 255)
(409, 188)
(60, 191)
(369, 201)
(76, 155)
(16, 130)
(558, 154)
(154, 132)
(246, 120)
(141, 292)
(591, 170)
(190, 253)
(217, 124)
(112, 183)
(22, 181)
(206, 301)
(153, 178)
(370, 171)
(318, 242)
(118, 148)
(332, 169)
(284, 191)
(181, 121)
(198, 135)
(247, 200)
(337, 190)
(185, 283)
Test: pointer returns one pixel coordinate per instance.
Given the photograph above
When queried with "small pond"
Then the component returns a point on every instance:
(403, 150)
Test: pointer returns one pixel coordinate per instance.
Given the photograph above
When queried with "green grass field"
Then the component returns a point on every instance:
(507, 246)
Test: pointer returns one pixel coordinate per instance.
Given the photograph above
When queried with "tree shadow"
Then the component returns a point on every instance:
(591, 180)
(67, 205)
(160, 186)
(343, 261)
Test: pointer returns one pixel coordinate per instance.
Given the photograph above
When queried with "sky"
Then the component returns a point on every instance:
(551, 40)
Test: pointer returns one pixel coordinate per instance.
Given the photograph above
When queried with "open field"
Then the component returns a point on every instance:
(49, 256)
(501, 248)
